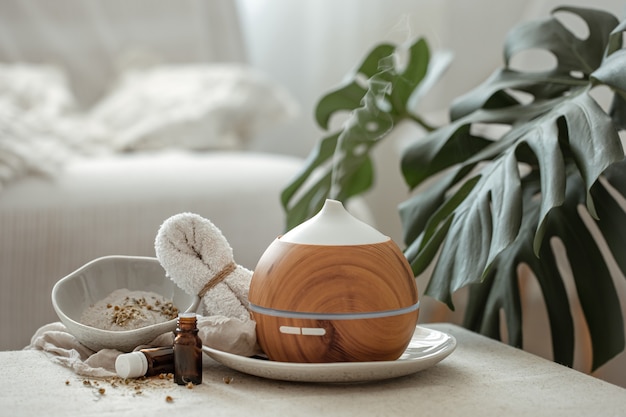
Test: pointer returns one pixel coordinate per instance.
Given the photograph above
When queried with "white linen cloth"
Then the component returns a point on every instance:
(60, 346)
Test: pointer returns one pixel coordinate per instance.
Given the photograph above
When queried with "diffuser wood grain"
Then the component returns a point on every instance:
(338, 280)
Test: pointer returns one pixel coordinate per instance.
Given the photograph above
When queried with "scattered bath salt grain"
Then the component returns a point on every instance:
(135, 386)
(128, 310)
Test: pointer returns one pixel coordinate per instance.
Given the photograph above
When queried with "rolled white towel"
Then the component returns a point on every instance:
(198, 258)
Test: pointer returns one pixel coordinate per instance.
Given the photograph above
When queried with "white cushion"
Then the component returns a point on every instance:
(196, 106)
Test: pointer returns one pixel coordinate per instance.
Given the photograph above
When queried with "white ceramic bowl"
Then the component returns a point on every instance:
(72, 294)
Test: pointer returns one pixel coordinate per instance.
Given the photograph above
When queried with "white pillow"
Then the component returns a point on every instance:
(36, 133)
(199, 106)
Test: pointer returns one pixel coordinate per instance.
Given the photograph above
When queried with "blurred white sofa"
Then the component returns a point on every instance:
(115, 116)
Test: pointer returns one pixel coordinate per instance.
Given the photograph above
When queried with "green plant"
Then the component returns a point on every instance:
(495, 202)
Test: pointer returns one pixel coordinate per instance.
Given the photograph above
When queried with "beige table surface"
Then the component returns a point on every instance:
(481, 377)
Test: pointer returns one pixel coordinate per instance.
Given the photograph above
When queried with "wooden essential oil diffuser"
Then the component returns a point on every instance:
(333, 289)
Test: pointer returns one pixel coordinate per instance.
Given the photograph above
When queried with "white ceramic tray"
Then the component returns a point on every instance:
(427, 348)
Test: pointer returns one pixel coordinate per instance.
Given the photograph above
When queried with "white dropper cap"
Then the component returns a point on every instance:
(131, 365)
(334, 225)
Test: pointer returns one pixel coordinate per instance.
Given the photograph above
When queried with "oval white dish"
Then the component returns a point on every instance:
(427, 348)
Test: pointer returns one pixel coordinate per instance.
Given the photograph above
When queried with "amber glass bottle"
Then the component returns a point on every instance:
(187, 351)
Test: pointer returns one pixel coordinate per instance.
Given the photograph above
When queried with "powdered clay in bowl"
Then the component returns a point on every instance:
(119, 302)
(333, 289)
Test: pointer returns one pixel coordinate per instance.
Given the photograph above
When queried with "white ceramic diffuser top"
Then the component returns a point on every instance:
(333, 225)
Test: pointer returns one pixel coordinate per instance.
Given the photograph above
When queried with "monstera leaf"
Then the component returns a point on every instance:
(528, 159)
(379, 95)
(501, 203)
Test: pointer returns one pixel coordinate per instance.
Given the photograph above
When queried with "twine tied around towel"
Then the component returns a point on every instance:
(219, 277)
